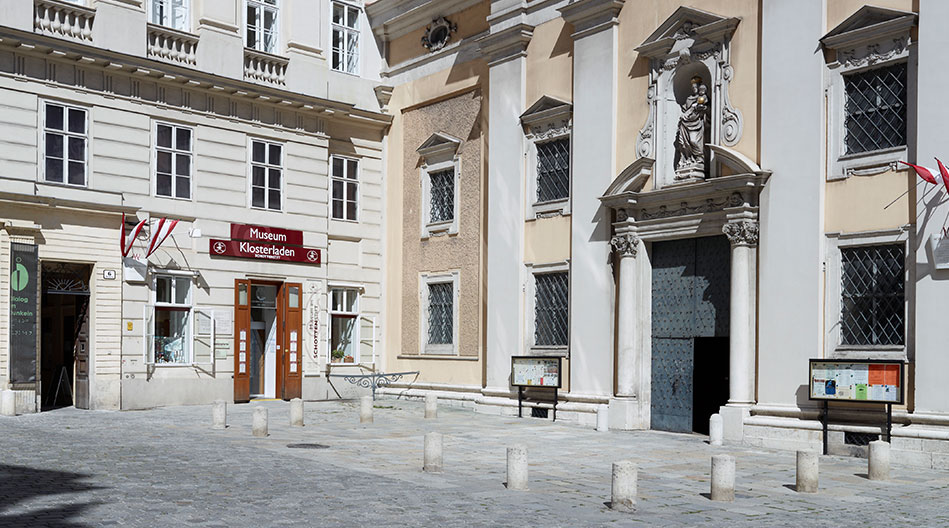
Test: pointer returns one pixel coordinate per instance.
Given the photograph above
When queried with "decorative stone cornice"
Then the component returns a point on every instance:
(742, 233)
(507, 44)
(626, 245)
(591, 16)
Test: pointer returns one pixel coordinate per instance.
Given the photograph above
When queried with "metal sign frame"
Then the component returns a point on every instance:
(520, 388)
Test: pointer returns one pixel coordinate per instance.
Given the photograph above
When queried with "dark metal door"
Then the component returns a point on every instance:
(690, 294)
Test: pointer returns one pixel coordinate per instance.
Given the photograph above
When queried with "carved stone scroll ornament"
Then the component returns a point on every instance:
(625, 245)
(743, 233)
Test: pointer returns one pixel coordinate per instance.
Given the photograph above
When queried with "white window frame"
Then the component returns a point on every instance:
(148, 327)
(345, 179)
(174, 152)
(345, 30)
(833, 292)
(167, 20)
(262, 6)
(530, 304)
(66, 135)
(425, 279)
(267, 165)
(355, 315)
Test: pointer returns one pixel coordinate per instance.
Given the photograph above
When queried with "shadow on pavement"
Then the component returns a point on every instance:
(21, 483)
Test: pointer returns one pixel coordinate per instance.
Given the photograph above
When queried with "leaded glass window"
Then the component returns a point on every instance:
(553, 170)
(442, 195)
(872, 307)
(440, 313)
(875, 109)
(551, 303)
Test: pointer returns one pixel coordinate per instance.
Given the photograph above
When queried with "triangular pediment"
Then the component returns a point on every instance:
(546, 108)
(867, 23)
(687, 23)
(439, 143)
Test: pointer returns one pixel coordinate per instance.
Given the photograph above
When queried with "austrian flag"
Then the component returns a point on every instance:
(930, 175)
(160, 232)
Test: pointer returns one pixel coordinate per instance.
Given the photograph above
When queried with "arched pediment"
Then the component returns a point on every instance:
(633, 177)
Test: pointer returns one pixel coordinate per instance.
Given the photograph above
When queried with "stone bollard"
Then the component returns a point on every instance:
(723, 478)
(259, 426)
(715, 430)
(8, 403)
(624, 486)
(365, 409)
(296, 412)
(602, 418)
(431, 407)
(878, 461)
(219, 415)
(433, 453)
(807, 472)
(517, 467)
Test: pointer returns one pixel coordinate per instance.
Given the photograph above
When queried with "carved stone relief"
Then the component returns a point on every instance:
(438, 34)
(626, 245)
(744, 233)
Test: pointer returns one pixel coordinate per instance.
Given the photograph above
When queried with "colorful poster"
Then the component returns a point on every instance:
(868, 380)
(535, 372)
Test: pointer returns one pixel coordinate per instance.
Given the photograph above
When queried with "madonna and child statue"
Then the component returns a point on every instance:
(690, 137)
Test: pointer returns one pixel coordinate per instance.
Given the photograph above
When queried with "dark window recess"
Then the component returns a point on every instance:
(859, 439)
(443, 196)
(875, 109)
(553, 170)
(551, 303)
(440, 316)
(872, 285)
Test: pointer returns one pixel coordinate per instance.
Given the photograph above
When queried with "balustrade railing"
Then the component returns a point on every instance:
(265, 67)
(62, 19)
(171, 45)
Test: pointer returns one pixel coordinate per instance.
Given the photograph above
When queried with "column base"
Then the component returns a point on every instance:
(627, 413)
(733, 422)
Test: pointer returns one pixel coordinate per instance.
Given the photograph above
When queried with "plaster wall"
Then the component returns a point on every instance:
(857, 203)
(471, 21)
(839, 10)
(550, 62)
(547, 240)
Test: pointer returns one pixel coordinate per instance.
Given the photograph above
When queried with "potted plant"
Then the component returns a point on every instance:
(348, 359)
(337, 355)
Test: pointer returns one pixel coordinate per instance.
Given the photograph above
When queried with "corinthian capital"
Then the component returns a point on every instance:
(626, 245)
(743, 233)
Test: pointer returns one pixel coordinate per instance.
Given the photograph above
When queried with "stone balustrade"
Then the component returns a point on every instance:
(171, 45)
(264, 67)
(62, 19)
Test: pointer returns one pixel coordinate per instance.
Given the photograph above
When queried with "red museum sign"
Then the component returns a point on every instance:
(263, 250)
(275, 235)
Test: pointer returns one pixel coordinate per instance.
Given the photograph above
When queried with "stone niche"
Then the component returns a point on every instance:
(689, 109)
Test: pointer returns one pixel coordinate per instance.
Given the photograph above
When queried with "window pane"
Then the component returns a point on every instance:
(270, 41)
(352, 52)
(156, 12)
(293, 297)
(440, 320)
(273, 181)
(164, 162)
(54, 170)
(164, 136)
(77, 149)
(351, 297)
(54, 117)
(77, 173)
(337, 209)
(274, 199)
(182, 164)
(251, 37)
(77, 121)
(171, 335)
(338, 13)
(268, 20)
(274, 155)
(350, 191)
(337, 190)
(343, 335)
(257, 176)
(183, 187)
(350, 210)
(338, 164)
(872, 295)
(163, 289)
(551, 309)
(182, 289)
(353, 17)
(54, 145)
(257, 196)
(442, 195)
(875, 109)
(336, 303)
(242, 294)
(553, 170)
(259, 152)
(163, 185)
(351, 171)
(183, 139)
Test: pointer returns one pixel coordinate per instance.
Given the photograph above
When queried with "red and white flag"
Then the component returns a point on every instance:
(126, 243)
(925, 172)
(944, 173)
(159, 234)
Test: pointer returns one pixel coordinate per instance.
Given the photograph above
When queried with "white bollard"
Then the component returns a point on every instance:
(431, 407)
(365, 409)
(878, 460)
(807, 472)
(517, 467)
(219, 415)
(259, 426)
(8, 403)
(715, 430)
(624, 486)
(602, 418)
(433, 453)
(723, 478)
(296, 412)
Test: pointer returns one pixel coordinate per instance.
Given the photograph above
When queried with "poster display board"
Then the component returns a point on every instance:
(873, 381)
(23, 307)
(535, 371)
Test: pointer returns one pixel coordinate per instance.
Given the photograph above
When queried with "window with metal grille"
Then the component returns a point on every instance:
(266, 174)
(551, 309)
(442, 195)
(875, 109)
(345, 188)
(262, 25)
(345, 27)
(65, 144)
(872, 311)
(553, 170)
(173, 161)
(440, 313)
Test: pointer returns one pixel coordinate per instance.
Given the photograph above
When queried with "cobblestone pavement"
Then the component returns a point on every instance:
(167, 467)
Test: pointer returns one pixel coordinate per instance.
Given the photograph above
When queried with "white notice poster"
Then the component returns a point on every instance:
(223, 323)
(293, 367)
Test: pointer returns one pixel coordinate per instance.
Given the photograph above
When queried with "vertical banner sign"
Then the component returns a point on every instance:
(23, 308)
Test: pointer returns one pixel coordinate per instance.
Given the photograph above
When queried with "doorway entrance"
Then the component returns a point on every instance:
(690, 325)
(64, 335)
(268, 340)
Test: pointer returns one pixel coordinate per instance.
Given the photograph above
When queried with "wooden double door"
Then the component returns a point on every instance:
(285, 332)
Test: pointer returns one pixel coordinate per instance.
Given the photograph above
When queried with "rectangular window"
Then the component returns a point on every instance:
(442, 195)
(441, 313)
(344, 314)
(172, 320)
(262, 25)
(65, 137)
(173, 161)
(872, 285)
(345, 181)
(553, 170)
(875, 109)
(551, 309)
(345, 34)
(170, 13)
(266, 168)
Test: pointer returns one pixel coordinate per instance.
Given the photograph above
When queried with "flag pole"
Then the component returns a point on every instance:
(900, 196)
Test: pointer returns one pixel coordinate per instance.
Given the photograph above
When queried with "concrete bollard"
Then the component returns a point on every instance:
(715, 430)
(431, 407)
(259, 424)
(296, 412)
(878, 461)
(365, 409)
(623, 498)
(8, 403)
(219, 415)
(517, 467)
(807, 472)
(433, 453)
(602, 418)
(723, 478)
